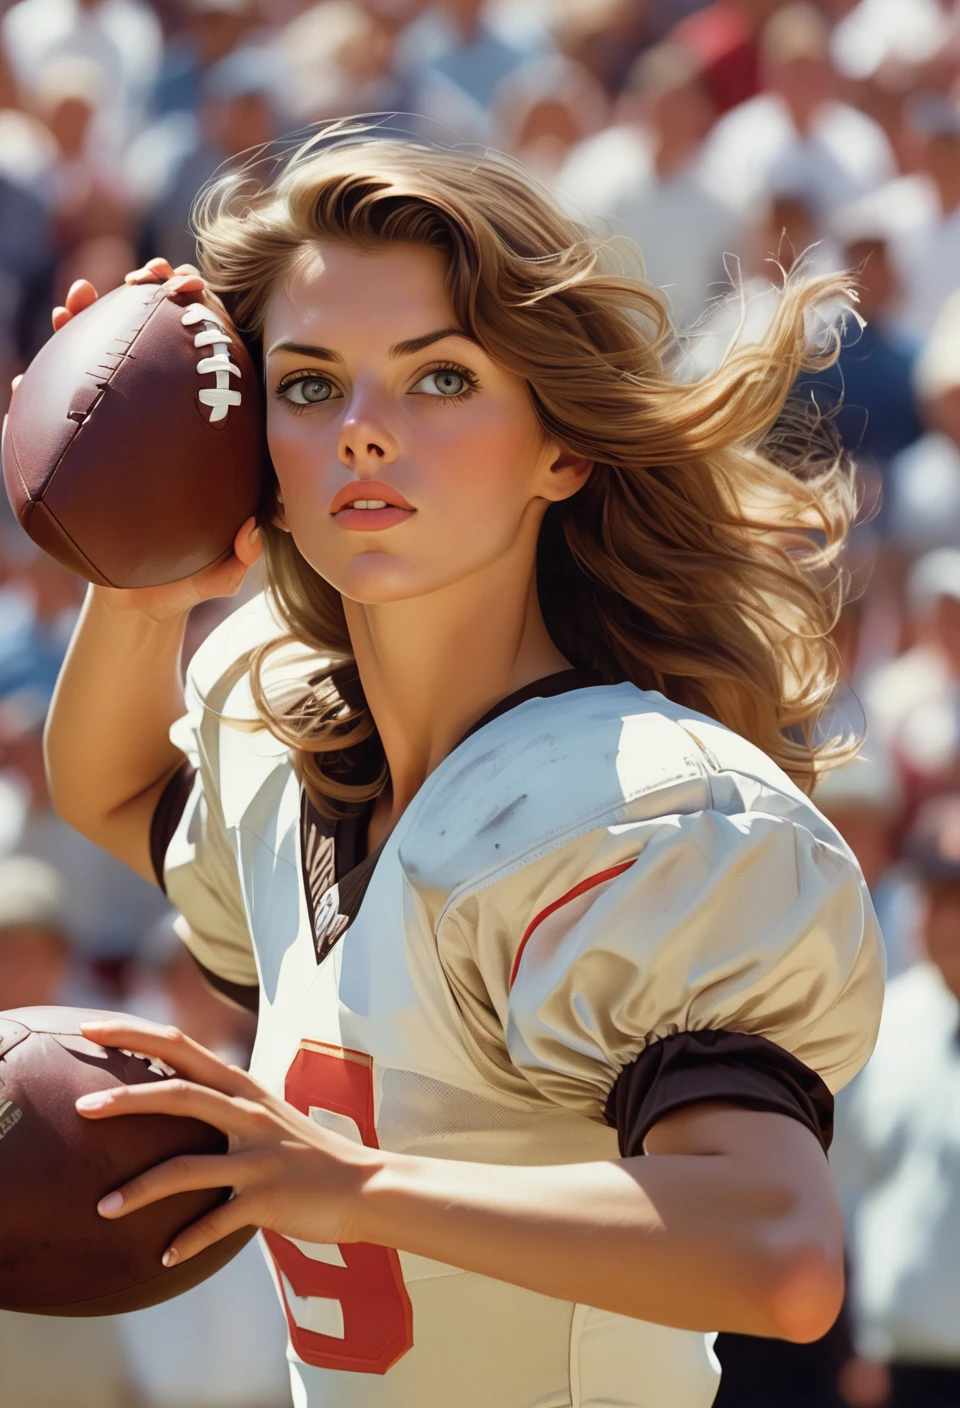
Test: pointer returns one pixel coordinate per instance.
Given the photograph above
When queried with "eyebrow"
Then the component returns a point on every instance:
(400, 349)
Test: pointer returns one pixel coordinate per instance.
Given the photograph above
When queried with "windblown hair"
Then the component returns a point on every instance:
(702, 558)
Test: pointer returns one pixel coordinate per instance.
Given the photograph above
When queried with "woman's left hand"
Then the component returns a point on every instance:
(287, 1172)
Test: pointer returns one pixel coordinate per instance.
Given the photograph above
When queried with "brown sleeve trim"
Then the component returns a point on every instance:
(166, 816)
(684, 1069)
(243, 994)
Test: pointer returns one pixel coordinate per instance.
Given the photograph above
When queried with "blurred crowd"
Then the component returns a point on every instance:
(730, 140)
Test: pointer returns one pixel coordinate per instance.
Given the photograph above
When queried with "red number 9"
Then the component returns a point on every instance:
(366, 1288)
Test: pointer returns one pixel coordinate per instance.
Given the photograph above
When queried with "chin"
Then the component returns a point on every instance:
(375, 579)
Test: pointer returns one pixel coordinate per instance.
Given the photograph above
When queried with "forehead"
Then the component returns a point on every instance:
(397, 291)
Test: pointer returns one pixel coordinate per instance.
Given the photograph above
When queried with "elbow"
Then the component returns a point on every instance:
(802, 1292)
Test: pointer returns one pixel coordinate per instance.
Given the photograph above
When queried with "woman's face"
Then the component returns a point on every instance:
(407, 459)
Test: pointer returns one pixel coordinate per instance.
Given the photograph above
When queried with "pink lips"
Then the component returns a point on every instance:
(369, 519)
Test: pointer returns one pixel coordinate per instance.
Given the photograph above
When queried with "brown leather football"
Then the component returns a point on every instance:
(58, 1256)
(134, 446)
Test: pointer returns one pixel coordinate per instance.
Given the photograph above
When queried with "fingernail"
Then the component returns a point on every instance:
(254, 534)
(75, 285)
(94, 1100)
(171, 1257)
(113, 1202)
(177, 282)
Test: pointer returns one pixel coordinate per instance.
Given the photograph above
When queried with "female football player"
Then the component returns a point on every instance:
(495, 802)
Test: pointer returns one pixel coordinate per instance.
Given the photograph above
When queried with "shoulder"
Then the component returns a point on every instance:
(552, 770)
(237, 761)
(216, 657)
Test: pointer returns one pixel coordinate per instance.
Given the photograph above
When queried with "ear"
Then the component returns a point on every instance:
(567, 473)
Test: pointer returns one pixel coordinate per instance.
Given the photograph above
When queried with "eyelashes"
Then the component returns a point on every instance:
(302, 378)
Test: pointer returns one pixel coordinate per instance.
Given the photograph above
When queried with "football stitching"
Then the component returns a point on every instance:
(213, 335)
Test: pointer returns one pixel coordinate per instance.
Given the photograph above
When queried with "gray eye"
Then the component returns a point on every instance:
(442, 383)
(309, 391)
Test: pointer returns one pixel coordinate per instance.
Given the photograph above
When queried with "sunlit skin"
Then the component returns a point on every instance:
(734, 1223)
(440, 598)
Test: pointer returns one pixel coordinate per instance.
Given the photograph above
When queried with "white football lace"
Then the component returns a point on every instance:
(215, 336)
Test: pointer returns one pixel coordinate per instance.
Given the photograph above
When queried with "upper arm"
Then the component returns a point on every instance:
(777, 1154)
(126, 831)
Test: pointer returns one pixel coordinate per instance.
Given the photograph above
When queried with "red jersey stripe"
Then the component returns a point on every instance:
(580, 889)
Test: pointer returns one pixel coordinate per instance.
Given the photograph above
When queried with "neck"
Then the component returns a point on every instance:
(432, 665)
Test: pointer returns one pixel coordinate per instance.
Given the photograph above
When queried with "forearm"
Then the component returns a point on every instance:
(693, 1242)
(119, 690)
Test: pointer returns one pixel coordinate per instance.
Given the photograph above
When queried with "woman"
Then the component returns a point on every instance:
(496, 803)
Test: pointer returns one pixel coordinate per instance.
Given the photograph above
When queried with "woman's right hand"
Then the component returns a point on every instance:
(224, 578)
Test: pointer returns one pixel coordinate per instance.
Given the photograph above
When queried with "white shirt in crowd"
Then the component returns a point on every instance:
(683, 228)
(122, 37)
(927, 257)
(755, 148)
(896, 1156)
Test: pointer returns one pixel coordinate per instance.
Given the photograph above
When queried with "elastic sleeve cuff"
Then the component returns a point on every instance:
(166, 817)
(690, 1067)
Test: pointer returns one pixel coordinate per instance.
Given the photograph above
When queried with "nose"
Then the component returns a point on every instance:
(366, 441)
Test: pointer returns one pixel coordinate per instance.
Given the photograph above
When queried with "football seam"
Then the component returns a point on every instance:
(79, 424)
(100, 578)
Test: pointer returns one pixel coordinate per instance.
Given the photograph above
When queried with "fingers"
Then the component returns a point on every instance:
(81, 294)
(247, 545)
(184, 278)
(155, 271)
(187, 1174)
(221, 1222)
(246, 1119)
(187, 1056)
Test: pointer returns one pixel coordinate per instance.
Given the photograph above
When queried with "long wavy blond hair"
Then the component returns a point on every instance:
(701, 558)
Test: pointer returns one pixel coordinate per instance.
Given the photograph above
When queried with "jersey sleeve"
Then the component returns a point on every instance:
(190, 845)
(698, 956)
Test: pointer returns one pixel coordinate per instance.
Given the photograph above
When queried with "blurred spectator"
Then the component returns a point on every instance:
(661, 199)
(34, 950)
(928, 252)
(27, 262)
(895, 1156)
(229, 1332)
(604, 37)
(212, 29)
(645, 174)
(46, 1363)
(240, 113)
(913, 702)
(546, 110)
(874, 32)
(924, 480)
(870, 389)
(121, 37)
(83, 185)
(785, 233)
(39, 606)
(724, 40)
(460, 42)
(797, 132)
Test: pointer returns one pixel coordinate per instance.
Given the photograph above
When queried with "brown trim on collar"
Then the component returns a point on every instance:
(335, 867)
(562, 682)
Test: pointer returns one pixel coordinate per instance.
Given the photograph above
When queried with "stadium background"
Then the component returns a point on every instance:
(718, 136)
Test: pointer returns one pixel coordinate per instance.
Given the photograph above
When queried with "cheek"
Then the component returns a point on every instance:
(304, 456)
(481, 468)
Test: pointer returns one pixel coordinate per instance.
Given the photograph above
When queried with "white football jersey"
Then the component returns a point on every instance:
(585, 874)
